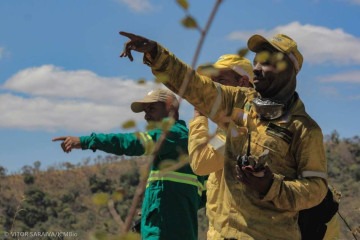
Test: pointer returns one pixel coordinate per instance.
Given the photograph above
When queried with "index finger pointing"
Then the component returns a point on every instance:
(59, 139)
(127, 34)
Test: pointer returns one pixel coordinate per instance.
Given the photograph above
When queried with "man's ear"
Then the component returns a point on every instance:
(173, 110)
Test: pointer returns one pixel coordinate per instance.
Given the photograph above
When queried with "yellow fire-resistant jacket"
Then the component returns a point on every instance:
(296, 155)
(332, 229)
(207, 158)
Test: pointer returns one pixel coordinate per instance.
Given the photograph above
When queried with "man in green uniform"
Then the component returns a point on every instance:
(172, 198)
(273, 147)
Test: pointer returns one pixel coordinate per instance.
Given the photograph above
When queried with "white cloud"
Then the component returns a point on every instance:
(356, 2)
(44, 114)
(356, 97)
(318, 44)
(55, 82)
(330, 91)
(344, 77)
(137, 5)
(72, 100)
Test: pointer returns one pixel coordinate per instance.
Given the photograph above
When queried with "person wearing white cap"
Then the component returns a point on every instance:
(275, 164)
(172, 197)
(206, 153)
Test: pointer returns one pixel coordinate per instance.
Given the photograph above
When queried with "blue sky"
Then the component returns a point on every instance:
(60, 71)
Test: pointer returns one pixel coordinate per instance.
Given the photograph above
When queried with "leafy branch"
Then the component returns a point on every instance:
(353, 232)
(18, 210)
(188, 22)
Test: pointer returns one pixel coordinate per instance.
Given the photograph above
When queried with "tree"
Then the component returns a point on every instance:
(37, 165)
(29, 178)
(334, 137)
(2, 171)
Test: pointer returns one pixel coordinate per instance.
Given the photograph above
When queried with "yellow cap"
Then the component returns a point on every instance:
(282, 43)
(157, 95)
(235, 62)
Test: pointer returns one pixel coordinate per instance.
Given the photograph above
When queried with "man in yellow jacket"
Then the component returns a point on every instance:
(274, 164)
(207, 153)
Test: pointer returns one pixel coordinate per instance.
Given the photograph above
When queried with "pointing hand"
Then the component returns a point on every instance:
(139, 44)
(68, 143)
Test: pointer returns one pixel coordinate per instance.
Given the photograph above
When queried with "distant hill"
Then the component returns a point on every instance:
(74, 199)
(343, 157)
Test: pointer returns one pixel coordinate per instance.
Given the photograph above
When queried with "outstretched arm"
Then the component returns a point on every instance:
(212, 99)
(129, 144)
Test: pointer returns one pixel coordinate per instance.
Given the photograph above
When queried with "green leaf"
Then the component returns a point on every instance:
(130, 236)
(281, 66)
(208, 70)
(189, 22)
(165, 164)
(99, 235)
(141, 81)
(151, 125)
(183, 158)
(183, 3)
(118, 195)
(162, 78)
(100, 199)
(243, 52)
(143, 173)
(167, 123)
(279, 56)
(262, 57)
(128, 124)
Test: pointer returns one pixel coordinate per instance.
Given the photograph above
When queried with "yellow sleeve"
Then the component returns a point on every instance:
(214, 100)
(333, 229)
(296, 195)
(206, 154)
(311, 187)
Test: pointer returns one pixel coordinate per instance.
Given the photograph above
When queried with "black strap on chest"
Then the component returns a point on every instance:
(281, 132)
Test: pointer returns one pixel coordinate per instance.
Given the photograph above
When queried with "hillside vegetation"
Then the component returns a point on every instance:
(88, 199)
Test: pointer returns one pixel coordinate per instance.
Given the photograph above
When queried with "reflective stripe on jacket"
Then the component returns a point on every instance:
(177, 177)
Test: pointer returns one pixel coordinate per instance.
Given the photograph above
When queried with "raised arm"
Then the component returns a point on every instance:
(206, 153)
(212, 99)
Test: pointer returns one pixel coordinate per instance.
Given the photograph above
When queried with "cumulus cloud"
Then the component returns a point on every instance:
(318, 44)
(43, 114)
(356, 97)
(330, 91)
(51, 98)
(55, 82)
(137, 5)
(344, 77)
(356, 2)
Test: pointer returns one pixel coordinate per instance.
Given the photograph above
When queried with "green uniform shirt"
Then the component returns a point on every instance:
(171, 200)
